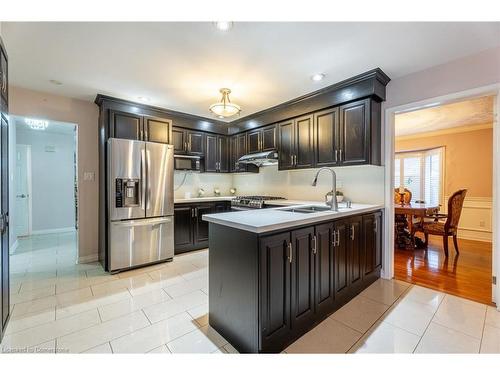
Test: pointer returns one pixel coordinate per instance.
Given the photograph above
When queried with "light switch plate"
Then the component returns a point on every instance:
(88, 176)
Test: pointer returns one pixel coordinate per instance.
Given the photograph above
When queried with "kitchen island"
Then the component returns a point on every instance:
(276, 273)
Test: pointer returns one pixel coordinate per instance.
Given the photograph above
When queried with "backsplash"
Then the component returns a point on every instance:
(206, 181)
(361, 184)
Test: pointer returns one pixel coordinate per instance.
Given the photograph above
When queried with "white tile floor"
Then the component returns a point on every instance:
(59, 306)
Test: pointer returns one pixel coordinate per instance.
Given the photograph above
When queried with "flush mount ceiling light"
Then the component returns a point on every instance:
(223, 25)
(225, 108)
(317, 77)
(36, 124)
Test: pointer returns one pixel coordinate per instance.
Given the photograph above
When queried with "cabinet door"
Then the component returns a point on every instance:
(233, 154)
(355, 130)
(125, 125)
(222, 207)
(201, 226)
(372, 243)
(302, 273)
(254, 141)
(241, 140)
(157, 129)
(223, 150)
(326, 138)
(341, 259)
(286, 145)
(268, 142)
(355, 245)
(195, 142)
(274, 274)
(183, 228)
(4, 77)
(304, 142)
(179, 140)
(324, 269)
(211, 153)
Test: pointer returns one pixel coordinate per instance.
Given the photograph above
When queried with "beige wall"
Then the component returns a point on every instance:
(24, 102)
(468, 159)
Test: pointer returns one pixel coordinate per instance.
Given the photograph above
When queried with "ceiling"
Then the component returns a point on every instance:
(181, 66)
(472, 112)
(55, 127)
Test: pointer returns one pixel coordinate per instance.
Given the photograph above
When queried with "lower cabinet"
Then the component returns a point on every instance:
(308, 273)
(190, 230)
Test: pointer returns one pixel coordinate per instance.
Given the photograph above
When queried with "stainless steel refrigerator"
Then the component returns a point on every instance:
(140, 203)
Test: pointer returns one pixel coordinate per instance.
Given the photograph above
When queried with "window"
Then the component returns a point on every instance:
(422, 173)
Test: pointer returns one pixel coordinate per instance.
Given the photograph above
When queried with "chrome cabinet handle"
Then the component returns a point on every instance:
(352, 232)
(290, 252)
(340, 152)
(196, 212)
(375, 226)
(334, 238)
(21, 196)
(336, 155)
(314, 249)
(192, 212)
(291, 160)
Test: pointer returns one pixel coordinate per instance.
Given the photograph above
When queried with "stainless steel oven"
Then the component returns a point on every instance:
(188, 163)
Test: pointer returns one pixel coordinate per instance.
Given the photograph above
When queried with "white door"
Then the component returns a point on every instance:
(23, 190)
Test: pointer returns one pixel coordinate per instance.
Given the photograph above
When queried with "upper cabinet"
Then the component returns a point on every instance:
(296, 143)
(4, 78)
(238, 148)
(326, 137)
(355, 133)
(262, 139)
(188, 141)
(128, 125)
(216, 153)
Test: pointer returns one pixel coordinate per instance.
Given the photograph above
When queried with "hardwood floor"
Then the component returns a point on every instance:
(466, 275)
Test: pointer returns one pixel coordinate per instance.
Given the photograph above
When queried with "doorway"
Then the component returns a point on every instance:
(44, 200)
(477, 247)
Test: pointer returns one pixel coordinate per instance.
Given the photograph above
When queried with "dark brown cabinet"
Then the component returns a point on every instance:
(324, 268)
(262, 139)
(355, 133)
(302, 275)
(275, 287)
(296, 143)
(137, 127)
(238, 148)
(216, 153)
(190, 230)
(157, 129)
(372, 240)
(188, 141)
(355, 249)
(326, 138)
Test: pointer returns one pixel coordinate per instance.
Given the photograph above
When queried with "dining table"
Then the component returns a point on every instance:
(411, 211)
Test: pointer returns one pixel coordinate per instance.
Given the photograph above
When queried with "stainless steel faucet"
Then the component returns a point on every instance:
(333, 201)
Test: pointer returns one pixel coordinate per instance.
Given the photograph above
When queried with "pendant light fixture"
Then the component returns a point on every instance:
(225, 108)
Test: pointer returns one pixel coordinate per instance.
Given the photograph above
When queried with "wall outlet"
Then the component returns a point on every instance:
(88, 176)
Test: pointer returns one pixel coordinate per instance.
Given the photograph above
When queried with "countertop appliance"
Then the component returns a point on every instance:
(188, 163)
(140, 203)
(250, 202)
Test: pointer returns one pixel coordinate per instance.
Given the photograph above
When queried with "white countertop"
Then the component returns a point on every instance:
(202, 199)
(271, 219)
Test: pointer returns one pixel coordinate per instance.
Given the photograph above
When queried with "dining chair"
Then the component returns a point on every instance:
(397, 196)
(449, 226)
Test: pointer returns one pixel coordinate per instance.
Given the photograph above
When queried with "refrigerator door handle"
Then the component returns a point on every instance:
(143, 178)
(148, 182)
(142, 222)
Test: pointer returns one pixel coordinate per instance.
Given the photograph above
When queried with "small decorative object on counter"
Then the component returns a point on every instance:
(340, 196)
(201, 193)
(217, 192)
(232, 191)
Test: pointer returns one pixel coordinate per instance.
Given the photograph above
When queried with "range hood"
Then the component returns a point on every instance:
(260, 158)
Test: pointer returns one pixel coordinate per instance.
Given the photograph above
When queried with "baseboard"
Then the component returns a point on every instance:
(13, 247)
(475, 235)
(55, 230)
(88, 258)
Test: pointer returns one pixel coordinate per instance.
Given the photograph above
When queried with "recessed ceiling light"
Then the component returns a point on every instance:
(224, 25)
(143, 99)
(55, 82)
(317, 77)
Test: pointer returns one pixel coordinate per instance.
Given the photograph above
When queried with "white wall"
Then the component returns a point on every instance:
(12, 191)
(52, 179)
(362, 184)
(206, 181)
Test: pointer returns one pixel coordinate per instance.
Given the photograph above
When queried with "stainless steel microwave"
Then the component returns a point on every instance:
(188, 163)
